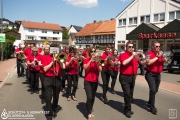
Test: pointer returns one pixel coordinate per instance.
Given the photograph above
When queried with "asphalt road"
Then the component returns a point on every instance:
(15, 96)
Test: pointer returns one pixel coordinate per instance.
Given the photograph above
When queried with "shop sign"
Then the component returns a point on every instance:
(157, 35)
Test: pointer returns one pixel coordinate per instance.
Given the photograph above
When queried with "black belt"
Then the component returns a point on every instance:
(128, 75)
(153, 73)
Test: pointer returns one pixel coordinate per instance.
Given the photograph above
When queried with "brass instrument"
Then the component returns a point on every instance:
(97, 58)
(20, 55)
(61, 58)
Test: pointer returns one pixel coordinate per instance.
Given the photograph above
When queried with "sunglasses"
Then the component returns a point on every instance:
(130, 46)
(158, 46)
(93, 51)
(34, 51)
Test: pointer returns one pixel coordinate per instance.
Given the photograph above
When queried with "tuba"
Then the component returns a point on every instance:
(61, 57)
(20, 56)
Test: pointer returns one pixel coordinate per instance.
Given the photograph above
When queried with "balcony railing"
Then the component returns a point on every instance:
(96, 41)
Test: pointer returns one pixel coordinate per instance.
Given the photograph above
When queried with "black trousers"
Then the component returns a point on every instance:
(113, 75)
(127, 84)
(64, 77)
(20, 69)
(80, 69)
(74, 79)
(105, 78)
(34, 76)
(141, 67)
(41, 75)
(90, 89)
(153, 81)
(52, 87)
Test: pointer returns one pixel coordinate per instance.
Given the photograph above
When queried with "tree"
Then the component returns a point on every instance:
(65, 34)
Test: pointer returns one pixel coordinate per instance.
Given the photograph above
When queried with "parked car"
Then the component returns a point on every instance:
(175, 59)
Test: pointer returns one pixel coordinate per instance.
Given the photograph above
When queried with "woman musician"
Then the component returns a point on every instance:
(34, 68)
(92, 68)
(72, 73)
(113, 69)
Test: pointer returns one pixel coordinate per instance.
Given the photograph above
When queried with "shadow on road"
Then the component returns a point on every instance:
(141, 103)
(82, 108)
(57, 109)
(116, 105)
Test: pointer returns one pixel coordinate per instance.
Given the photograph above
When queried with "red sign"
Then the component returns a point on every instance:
(157, 35)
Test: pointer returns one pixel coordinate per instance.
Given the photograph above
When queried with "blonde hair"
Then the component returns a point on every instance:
(34, 49)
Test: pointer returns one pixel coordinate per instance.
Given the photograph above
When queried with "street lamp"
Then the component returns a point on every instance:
(1, 29)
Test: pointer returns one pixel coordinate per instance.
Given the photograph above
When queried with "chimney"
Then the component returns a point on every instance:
(94, 21)
(112, 18)
(43, 21)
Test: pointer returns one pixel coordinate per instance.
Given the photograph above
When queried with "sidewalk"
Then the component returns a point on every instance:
(7, 68)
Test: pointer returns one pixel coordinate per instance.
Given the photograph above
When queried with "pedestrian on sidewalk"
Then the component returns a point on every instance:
(153, 73)
(92, 69)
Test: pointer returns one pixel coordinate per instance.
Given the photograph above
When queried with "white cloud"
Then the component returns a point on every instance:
(82, 3)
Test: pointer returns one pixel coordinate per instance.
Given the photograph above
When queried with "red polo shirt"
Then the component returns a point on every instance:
(92, 72)
(115, 67)
(103, 57)
(40, 58)
(27, 51)
(84, 53)
(47, 59)
(73, 66)
(31, 59)
(156, 67)
(17, 50)
(131, 67)
(39, 50)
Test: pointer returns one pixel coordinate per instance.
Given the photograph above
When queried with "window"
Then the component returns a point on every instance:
(177, 14)
(55, 32)
(43, 38)
(130, 21)
(54, 38)
(135, 20)
(30, 38)
(122, 22)
(171, 15)
(142, 19)
(44, 31)
(30, 30)
(145, 19)
(156, 17)
(162, 17)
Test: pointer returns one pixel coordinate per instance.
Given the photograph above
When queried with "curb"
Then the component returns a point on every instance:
(6, 78)
(160, 88)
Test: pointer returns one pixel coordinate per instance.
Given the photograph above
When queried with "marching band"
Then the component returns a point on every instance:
(54, 68)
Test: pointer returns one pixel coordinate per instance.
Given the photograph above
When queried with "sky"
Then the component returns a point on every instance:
(63, 12)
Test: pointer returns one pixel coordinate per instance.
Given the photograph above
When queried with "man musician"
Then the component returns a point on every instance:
(19, 55)
(52, 81)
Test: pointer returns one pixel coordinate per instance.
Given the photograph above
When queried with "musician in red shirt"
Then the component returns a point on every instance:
(128, 69)
(20, 69)
(105, 72)
(52, 81)
(32, 62)
(72, 73)
(113, 69)
(153, 73)
(92, 69)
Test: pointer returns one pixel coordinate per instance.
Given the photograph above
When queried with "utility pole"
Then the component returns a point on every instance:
(1, 29)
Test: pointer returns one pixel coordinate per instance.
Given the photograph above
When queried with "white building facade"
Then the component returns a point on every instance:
(157, 12)
(40, 32)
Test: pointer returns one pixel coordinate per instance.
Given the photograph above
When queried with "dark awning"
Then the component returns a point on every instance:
(173, 26)
(143, 28)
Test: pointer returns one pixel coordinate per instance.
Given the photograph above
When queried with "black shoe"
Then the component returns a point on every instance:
(153, 111)
(32, 91)
(128, 114)
(19, 76)
(42, 101)
(131, 112)
(106, 100)
(37, 91)
(54, 114)
(49, 117)
(112, 91)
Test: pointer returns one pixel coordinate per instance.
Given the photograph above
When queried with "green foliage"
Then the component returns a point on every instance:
(65, 34)
(7, 46)
(6, 29)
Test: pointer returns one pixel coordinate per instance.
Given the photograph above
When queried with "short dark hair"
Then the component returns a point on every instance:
(129, 42)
